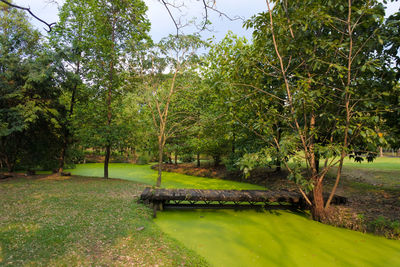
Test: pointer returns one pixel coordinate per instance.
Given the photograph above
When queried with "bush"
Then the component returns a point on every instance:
(117, 159)
(385, 227)
(143, 159)
(74, 156)
(187, 158)
(231, 162)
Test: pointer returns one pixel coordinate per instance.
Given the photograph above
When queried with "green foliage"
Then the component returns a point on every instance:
(96, 38)
(386, 227)
(143, 159)
(187, 158)
(248, 162)
(231, 162)
(289, 88)
(29, 98)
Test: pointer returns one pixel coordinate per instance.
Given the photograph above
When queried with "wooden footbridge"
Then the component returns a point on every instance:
(237, 199)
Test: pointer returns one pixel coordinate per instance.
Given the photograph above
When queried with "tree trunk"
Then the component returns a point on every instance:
(66, 130)
(317, 210)
(217, 160)
(10, 164)
(278, 165)
(176, 158)
(160, 154)
(198, 160)
(109, 94)
(107, 160)
(233, 141)
(108, 145)
(381, 151)
(278, 159)
(317, 157)
(62, 155)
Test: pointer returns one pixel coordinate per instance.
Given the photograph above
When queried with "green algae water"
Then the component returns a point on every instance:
(144, 174)
(255, 238)
(274, 238)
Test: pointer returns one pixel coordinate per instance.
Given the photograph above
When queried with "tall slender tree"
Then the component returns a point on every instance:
(117, 27)
(176, 54)
(68, 39)
(96, 38)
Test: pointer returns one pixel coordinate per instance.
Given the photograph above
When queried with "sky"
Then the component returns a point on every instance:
(162, 25)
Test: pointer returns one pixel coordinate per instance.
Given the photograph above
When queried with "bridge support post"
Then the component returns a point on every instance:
(157, 205)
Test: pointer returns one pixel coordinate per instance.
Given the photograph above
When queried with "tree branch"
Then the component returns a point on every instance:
(207, 5)
(28, 9)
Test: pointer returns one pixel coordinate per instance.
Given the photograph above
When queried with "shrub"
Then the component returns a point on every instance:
(187, 158)
(143, 159)
(386, 227)
(231, 162)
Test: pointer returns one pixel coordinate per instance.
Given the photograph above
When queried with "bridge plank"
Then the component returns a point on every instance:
(251, 196)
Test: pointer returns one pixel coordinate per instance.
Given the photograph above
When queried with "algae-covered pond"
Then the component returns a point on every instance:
(144, 174)
(254, 238)
(276, 238)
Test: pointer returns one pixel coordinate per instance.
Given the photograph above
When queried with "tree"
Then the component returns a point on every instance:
(313, 65)
(29, 95)
(69, 42)
(325, 57)
(169, 118)
(391, 116)
(112, 30)
(244, 92)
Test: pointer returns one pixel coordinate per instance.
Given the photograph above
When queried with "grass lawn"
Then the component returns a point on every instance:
(82, 221)
(381, 173)
(380, 163)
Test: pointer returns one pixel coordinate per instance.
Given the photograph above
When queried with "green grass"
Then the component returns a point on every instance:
(381, 173)
(82, 221)
(380, 163)
(144, 174)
